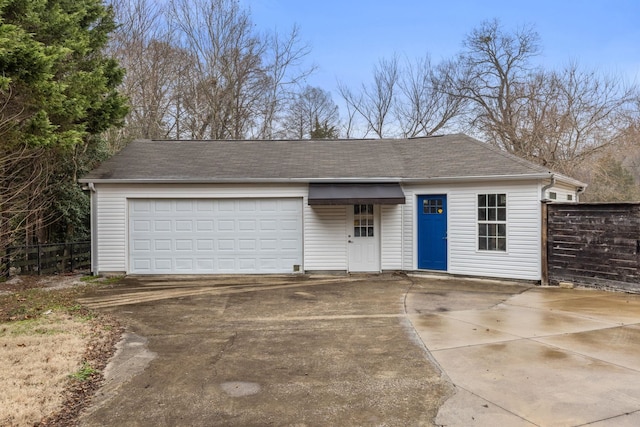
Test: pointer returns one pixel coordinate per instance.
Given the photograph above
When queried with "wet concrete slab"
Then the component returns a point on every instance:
(613, 307)
(543, 384)
(539, 356)
(619, 345)
(467, 409)
(624, 420)
(442, 332)
(526, 322)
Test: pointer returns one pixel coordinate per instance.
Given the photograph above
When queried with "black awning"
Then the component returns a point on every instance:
(354, 194)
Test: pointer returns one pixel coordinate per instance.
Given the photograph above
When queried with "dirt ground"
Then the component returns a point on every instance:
(52, 350)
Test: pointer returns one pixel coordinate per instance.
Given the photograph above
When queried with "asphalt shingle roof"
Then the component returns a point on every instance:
(448, 156)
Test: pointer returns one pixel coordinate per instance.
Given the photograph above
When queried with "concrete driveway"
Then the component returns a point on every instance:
(350, 350)
(259, 351)
(540, 357)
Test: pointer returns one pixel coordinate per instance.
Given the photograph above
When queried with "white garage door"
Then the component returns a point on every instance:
(215, 236)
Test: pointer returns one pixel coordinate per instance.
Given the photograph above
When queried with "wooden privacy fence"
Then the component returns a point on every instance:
(593, 244)
(45, 259)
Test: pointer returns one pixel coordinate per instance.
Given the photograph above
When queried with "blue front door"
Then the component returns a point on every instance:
(432, 232)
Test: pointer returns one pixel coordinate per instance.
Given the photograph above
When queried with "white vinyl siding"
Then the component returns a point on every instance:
(391, 237)
(112, 222)
(324, 236)
(562, 193)
(522, 258)
(408, 234)
(112, 232)
(325, 242)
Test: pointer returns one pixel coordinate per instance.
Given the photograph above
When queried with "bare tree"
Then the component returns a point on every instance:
(425, 105)
(577, 114)
(374, 102)
(227, 82)
(199, 69)
(143, 45)
(310, 106)
(493, 65)
(284, 72)
(554, 118)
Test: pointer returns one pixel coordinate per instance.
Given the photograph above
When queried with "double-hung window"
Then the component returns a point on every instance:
(492, 222)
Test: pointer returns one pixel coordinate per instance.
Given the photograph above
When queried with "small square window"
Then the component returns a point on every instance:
(433, 207)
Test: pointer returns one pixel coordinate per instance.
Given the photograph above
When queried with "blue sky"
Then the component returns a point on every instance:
(348, 37)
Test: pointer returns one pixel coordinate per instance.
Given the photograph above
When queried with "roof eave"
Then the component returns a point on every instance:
(484, 178)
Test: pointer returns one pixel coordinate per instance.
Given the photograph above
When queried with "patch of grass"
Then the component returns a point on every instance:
(84, 373)
(30, 327)
(112, 280)
(45, 335)
(32, 303)
(103, 280)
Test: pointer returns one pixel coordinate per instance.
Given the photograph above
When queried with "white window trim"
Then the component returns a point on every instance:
(505, 222)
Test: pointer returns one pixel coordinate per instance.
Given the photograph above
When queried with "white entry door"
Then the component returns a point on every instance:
(363, 237)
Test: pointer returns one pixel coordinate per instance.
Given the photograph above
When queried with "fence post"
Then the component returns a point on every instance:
(71, 254)
(8, 262)
(39, 260)
(544, 251)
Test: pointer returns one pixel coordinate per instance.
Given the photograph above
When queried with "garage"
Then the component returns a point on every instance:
(209, 236)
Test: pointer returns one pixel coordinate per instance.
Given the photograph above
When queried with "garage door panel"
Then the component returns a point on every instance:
(269, 206)
(268, 225)
(161, 206)
(142, 245)
(247, 264)
(247, 245)
(142, 264)
(184, 205)
(288, 225)
(163, 264)
(246, 206)
(245, 225)
(162, 225)
(204, 205)
(226, 245)
(226, 225)
(268, 245)
(288, 206)
(141, 225)
(204, 225)
(215, 236)
(205, 264)
(184, 225)
(205, 245)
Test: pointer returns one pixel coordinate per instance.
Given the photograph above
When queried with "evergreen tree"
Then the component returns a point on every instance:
(57, 93)
(323, 130)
